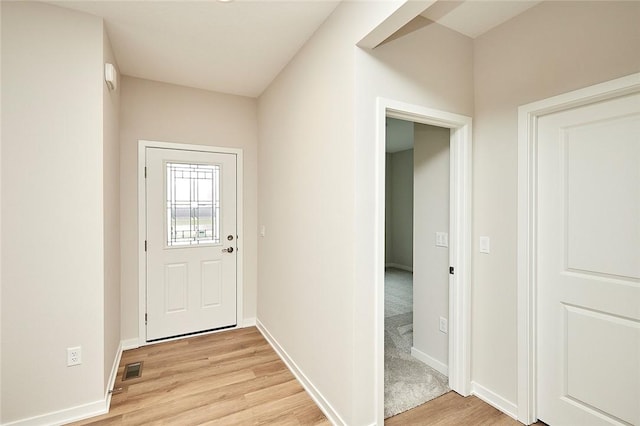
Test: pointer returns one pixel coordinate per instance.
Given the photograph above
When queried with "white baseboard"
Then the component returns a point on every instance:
(79, 412)
(430, 361)
(315, 394)
(248, 322)
(65, 416)
(113, 375)
(398, 266)
(130, 344)
(495, 400)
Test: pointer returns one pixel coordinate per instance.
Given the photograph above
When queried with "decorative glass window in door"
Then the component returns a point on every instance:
(193, 204)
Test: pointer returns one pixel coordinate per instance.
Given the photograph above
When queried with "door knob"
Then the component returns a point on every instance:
(228, 250)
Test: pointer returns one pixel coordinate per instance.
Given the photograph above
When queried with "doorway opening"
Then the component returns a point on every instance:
(416, 277)
(459, 239)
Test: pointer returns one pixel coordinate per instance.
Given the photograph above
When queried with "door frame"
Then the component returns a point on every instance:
(460, 238)
(527, 224)
(142, 227)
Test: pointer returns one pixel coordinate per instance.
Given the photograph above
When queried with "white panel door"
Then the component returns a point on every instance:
(191, 241)
(588, 270)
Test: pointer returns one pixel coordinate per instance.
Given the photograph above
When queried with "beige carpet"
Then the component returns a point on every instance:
(408, 382)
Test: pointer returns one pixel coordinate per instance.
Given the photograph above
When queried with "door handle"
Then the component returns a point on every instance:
(228, 250)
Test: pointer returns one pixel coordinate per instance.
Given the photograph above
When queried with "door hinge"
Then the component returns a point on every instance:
(451, 270)
(145, 245)
(145, 172)
(145, 318)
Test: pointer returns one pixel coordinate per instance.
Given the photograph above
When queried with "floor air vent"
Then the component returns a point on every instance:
(132, 371)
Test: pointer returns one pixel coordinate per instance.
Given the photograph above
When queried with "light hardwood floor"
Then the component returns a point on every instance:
(227, 378)
(236, 378)
(452, 409)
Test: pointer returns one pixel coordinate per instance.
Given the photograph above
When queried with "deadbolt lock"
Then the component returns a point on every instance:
(230, 237)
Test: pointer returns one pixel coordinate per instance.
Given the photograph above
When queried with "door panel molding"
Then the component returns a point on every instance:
(527, 221)
(142, 225)
(459, 361)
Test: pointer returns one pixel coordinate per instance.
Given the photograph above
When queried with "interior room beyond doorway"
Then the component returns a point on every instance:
(416, 264)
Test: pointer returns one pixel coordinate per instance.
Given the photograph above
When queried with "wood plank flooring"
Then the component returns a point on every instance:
(236, 378)
(227, 378)
(452, 409)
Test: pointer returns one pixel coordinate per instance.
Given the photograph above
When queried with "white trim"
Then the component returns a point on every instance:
(142, 221)
(460, 238)
(130, 344)
(315, 394)
(142, 257)
(430, 361)
(113, 376)
(249, 322)
(65, 416)
(495, 400)
(399, 266)
(527, 211)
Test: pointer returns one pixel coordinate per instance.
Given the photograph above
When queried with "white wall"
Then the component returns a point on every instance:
(431, 263)
(399, 220)
(306, 205)
(553, 48)
(111, 226)
(431, 67)
(52, 236)
(164, 112)
(306, 197)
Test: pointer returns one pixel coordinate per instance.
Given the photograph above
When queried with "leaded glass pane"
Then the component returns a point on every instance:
(193, 204)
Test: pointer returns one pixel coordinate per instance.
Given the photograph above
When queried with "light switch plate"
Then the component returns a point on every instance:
(442, 239)
(485, 245)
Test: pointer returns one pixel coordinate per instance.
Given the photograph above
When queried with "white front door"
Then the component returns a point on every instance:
(588, 272)
(191, 241)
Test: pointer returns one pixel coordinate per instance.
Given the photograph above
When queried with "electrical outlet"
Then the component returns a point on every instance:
(74, 356)
(443, 325)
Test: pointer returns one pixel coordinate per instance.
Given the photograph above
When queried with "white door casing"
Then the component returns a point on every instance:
(459, 362)
(188, 285)
(579, 257)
